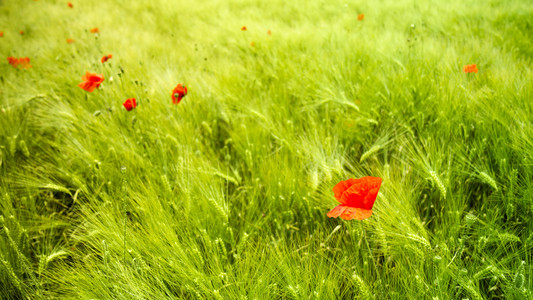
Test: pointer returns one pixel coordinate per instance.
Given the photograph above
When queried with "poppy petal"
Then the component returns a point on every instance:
(337, 211)
(88, 86)
(363, 193)
(371, 197)
(356, 213)
(342, 186)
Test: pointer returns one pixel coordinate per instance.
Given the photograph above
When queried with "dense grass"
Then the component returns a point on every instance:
(225, 195)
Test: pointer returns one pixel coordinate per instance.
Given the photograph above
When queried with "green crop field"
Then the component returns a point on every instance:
(225, 193)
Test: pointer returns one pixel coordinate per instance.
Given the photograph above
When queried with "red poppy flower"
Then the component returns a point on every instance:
(360, 17)
(243, 28)
(23, 62)
(269, 32)
(95, 30)
(252, 44)
(1, 34)
(106, 58)
(130, 104)
(21, 32)
(91, 81)
(470, 68)
(70, 5)
(178, 93)
(70, 41)
(356, 196)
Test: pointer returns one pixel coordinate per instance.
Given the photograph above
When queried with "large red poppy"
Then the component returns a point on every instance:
(178, 93)
(91, 81)
(356, 196)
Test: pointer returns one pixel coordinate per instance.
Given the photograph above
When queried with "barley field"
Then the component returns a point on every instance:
(158, 149)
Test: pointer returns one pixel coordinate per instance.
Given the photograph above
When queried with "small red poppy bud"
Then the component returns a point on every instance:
(178, 93)
(470, 68)
(130, 104)
(91, 81)
(106, 58)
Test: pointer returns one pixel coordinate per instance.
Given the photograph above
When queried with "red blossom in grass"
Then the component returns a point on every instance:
(252, 44)
(130, 104)
(21, 32)
(243, 28)
(91, 81)
(356, 196)
(360, 17)
(178, 93)
(1, 33)
(23, 62)
(70, 41)
(470, 68)
(70, 5)
(269, 32)
(95, 30)
(106, 58)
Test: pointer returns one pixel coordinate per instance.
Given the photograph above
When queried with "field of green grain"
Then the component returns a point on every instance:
(225, 194)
